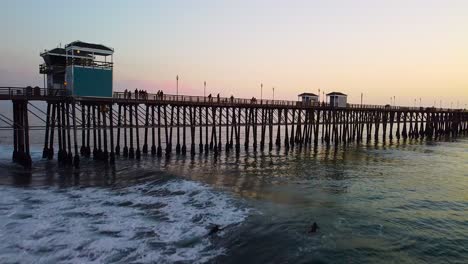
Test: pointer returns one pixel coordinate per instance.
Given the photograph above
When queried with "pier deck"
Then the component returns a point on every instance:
(212, 124)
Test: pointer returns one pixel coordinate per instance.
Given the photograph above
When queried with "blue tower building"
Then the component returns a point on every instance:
(82, 69)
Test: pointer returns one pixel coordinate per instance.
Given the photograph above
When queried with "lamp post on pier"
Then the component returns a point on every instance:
(273, 93)
(261, 92)
(204, 89)
(177, 85)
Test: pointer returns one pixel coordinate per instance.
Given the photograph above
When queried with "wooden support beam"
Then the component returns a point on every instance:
(153, 136)
(192, 111)
(178, 130)
(88, 139)
(145, 143)
(99, 134)
(76, 159)
(119, 125)
(278, 130)
(131, 150)
(184, 127)
(138, 151)
(159, 149)
(105, 153)
(70, 153)
(46, 134)
(200, 115)
(125, 149)
(83, 130)
(111, 125)
(50, 153)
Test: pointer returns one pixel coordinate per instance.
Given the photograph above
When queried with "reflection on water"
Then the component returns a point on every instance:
(404, 201)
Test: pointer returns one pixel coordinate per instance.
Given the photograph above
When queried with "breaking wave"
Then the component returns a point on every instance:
(157, 222)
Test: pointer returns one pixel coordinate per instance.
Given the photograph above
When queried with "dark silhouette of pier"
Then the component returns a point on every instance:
(103, 128)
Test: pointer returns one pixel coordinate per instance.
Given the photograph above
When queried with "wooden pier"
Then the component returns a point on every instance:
(103, 128)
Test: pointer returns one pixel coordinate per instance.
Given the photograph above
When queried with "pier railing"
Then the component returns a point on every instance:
(38, 93)
(202, 99)
(31, 92)
(264, 102)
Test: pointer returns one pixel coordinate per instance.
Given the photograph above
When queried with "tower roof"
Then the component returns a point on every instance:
(98, 49)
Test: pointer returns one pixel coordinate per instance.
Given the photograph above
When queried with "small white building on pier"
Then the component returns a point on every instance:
(308, 98)
(337, 99)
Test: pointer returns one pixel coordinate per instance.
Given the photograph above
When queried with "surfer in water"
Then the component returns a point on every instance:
(313, 228)
(215, 229)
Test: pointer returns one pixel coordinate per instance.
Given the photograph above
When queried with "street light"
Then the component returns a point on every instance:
(177, 85)
(204, 89)
(273, 93)
(261, 91)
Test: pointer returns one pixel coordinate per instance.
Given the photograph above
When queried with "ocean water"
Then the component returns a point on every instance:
(399, 202)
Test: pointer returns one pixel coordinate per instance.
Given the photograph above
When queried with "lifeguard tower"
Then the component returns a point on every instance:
(82, 69)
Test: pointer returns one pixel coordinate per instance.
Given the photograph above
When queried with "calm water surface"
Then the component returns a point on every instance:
(394, 203)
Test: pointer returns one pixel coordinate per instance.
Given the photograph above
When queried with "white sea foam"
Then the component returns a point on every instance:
(148, 223)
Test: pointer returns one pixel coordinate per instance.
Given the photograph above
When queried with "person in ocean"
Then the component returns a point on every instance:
(313, 228)
(214, 229)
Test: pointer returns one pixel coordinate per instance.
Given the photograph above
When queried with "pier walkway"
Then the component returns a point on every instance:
(190, 125)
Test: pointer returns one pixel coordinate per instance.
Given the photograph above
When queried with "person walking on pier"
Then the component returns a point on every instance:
(136, 93)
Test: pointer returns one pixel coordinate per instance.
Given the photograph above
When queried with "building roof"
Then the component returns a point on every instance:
(82, 44)
(336, 93)
(60, 51)
(54, 56)
(307, 94)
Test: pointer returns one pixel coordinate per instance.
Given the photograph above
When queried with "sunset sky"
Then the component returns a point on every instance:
(403, 48)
